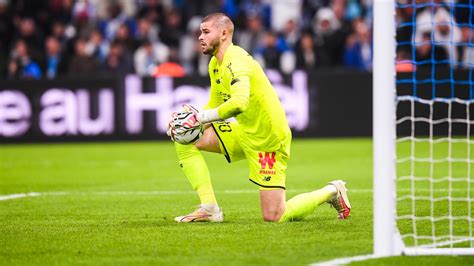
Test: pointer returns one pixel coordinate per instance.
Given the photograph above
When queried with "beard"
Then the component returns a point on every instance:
(212, 47)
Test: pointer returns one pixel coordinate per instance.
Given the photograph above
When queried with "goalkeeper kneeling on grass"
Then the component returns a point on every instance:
(240, 89)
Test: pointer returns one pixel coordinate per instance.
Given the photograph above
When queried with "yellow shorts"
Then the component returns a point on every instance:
(267, 169)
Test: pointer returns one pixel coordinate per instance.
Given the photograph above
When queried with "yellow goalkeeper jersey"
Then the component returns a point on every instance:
(240, 89)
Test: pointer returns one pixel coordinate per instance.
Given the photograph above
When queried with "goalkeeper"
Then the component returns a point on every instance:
(240, 89)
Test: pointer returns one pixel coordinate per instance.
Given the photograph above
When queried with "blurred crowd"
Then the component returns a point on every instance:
(61, 38)
(443, 33)
(56, 38)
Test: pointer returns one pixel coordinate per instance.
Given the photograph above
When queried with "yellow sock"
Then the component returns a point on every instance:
(304, 204)
(195, 169)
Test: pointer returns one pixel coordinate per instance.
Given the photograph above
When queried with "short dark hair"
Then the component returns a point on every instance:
(222, 20)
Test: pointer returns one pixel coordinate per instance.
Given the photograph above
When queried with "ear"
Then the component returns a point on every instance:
(224, 34)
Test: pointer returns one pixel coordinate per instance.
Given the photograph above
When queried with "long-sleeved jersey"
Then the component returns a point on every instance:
(240, 89)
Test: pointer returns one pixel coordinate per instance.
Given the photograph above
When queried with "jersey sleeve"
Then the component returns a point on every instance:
(238, 76)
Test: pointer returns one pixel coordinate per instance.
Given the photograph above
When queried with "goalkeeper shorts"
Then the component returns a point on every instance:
(267, 169)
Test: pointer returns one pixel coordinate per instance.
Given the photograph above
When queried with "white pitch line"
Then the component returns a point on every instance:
(347, 260)
(21, 195)
(143, 193)
(173, 192)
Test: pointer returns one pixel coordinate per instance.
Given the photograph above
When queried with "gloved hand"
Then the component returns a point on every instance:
(183, 121)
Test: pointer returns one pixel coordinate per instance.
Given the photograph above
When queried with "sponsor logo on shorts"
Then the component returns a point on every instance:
(267, 159)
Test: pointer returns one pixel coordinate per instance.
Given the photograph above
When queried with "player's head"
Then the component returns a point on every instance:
(216, 29)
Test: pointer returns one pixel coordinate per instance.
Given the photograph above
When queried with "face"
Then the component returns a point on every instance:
(444, 29)
(21, 49)
(122, 32)
(306, 42)
(467, 34)
(52, 46)
(96, 37)
(209, 38)
(27, 26)
(80, 47)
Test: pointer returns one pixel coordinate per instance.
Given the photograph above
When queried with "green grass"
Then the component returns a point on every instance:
(114, 203)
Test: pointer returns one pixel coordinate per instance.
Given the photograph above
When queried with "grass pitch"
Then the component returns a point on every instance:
(114, 203)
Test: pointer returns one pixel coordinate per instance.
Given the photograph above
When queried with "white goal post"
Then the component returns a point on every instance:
(385, 238)
(389, 239)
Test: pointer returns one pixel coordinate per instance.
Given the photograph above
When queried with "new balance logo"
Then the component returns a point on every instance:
(267, 178)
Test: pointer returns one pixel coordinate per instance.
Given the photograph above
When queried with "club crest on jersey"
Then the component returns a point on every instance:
(225, 96)
(267, 159)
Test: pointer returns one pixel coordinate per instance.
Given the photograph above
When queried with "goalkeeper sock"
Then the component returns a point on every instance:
(304, 204)
(195, 169)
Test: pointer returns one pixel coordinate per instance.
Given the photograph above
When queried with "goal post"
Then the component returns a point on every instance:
(384, 128)
(422, 143)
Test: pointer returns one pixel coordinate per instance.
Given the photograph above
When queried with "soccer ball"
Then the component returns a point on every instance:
(189, 136)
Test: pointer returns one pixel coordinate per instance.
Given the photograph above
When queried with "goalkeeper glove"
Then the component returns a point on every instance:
(180, 123)
(171, 132)
(183, 121)
(203, 117)
(189, 119)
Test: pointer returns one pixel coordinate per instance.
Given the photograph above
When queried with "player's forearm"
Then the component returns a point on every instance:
(209, 115)
(234, 106)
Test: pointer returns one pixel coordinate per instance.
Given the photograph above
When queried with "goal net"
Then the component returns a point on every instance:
(432, 152)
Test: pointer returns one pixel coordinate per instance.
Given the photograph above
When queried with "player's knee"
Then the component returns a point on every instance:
(201, 144)
(208, 141)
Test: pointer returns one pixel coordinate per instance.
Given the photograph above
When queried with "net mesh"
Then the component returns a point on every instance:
(435, 152)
